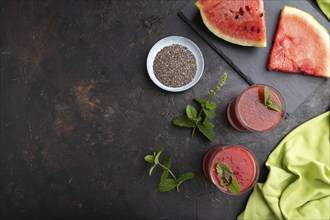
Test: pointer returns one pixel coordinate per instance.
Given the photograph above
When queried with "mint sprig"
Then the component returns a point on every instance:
(268, 101)
(227, 178)
(201, 121)
(166, 184)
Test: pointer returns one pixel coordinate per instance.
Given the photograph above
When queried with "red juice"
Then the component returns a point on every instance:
(243, 163)
(248, 113)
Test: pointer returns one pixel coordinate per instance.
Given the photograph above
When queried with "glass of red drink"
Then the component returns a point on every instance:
(248, 113)
(243, 163)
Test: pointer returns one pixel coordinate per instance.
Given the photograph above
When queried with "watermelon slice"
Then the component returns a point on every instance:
(237, 21)
(301, 45)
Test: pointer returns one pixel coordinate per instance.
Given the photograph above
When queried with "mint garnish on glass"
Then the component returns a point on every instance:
(268, 101)
(227, 178)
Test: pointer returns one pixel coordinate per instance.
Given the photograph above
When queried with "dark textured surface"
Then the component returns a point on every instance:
(79, 113)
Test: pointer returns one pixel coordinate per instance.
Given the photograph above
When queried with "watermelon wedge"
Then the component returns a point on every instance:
(237, 21)
(301, 45)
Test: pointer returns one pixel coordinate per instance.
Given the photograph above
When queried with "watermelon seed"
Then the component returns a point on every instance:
(252, 28)
(236, 17)
(241, 12)
(258, 30)
(261, 14)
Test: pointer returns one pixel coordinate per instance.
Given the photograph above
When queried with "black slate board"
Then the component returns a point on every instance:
(251, 62)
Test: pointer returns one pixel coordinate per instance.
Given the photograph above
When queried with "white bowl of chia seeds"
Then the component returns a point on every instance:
(175, 63)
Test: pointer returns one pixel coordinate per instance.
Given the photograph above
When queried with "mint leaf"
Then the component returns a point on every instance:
(194, 119)
(158, 155)
(221, 82)
(225, 174)
(210, 105)
(266, 94)
(224, 181)
(210, 113)
(191, 112)
(164, 176)
(185, 176)
(208, 123)
(167, 161)
(184, 121)
(220, 170)
(152, 168)
(208, 132)
(269, 101)
(274, 106)
(225, 167)
(167, 185)
(211, 92)
(150, 158)
(233, 187)
(201, 101)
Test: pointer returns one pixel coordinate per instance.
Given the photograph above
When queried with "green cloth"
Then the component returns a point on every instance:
(298, 184)
(325, 7)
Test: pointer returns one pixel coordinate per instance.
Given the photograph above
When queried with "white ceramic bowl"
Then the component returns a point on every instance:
(167, 41)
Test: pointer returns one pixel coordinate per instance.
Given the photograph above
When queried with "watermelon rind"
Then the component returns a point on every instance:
(216, 31)
(323, 42)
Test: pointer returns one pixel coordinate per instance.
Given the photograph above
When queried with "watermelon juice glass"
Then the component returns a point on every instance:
(243, 163)
(248, 113)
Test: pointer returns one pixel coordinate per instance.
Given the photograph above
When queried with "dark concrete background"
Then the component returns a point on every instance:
(79, 113)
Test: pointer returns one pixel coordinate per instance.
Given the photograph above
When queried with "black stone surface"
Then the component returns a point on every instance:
(79, 113)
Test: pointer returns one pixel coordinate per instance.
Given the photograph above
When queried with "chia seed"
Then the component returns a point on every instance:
(175, 66)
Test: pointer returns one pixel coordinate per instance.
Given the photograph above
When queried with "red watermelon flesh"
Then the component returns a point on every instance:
(237, 21)
(301, 45)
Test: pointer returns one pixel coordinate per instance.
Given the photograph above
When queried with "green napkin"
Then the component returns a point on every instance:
(325, 7)
(298, 184)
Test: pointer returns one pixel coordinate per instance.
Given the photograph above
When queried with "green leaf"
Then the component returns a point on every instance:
(211, 92)
(164, 176)
(225, 167)
(150, 158)
(201, 101)
(220, 170)
(266, 94)
(152, 168)
(275, 107)
(233, 187)
(185, 176)
(167, 161)
(158, 155)
(196, 120)
(222, 81)
(208, 123)
(191, 112)
(269, 101)
(206, 131)
(167, 185)
(224, 181)
(210, 105)
(209, 113)
(184, 121)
